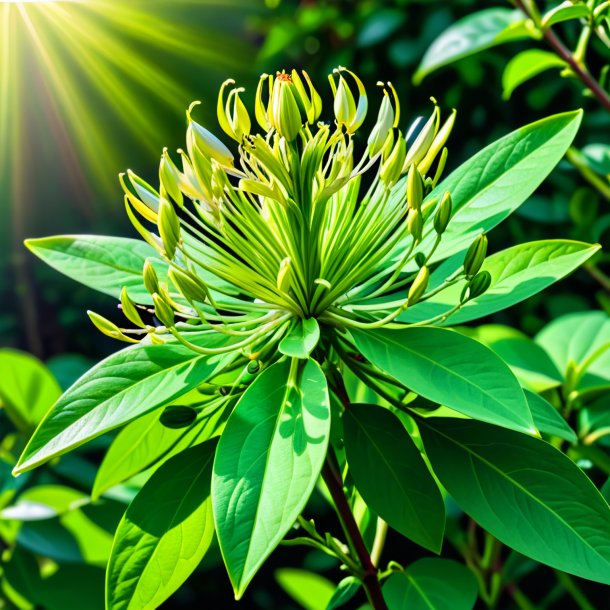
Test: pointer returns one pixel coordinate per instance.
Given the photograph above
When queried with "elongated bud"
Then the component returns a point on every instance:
(475, 256)
(418, 150)
(168, 224)
(345, 105)
(232, 115)
(108, 328)
(479, 284)
(163, 311)
(349, 113)
(415, 188)
(178, 416)
(260, 108)
(443, 214)
(149, 275)
(169, 177)
(392, 167)
(437, 144)
(415, 224)
(383, 127)
(189, 285)
(419, 285)
(207, 142)
(145, 200)
(130, 310)
(284, 114)
(310, 99)
(283, 276)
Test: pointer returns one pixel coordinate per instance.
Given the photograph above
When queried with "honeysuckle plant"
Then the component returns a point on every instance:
(289, 303)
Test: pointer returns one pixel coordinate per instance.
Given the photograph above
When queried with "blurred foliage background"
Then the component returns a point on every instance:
(89, 89)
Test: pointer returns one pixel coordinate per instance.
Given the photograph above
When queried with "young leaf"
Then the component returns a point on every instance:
(497, 180)
(268, 460)
(391, 475)
(547, 419)
(344, 592)
(104, 263)
(474, 33)
(164, 534)
(311, 591)
(122, 387)
(516, 274)
(145, 443)
(28, 390)
(523, 491)
(527, 65)
(450, 369)
(302, 339)
(565, 12)
(432, 584)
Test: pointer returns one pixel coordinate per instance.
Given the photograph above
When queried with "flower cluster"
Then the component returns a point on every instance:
(294, 228)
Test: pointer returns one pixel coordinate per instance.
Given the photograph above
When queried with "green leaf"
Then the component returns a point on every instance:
(526, 359)
(119, 389)
(344, 592)
(470, 35)
(582, 340)
(516, 274)
(432, 584)
(145, 443)
(594, 421)
(268, 461)
(527, 65)
(565, 11)
(547, 419)
(28, 389)
(164, 534)
(497, 180)
(450, 369)
(44, 502)
(309, 590)
(524, 492)
(302, 339)
(106, 264)
(391, 475)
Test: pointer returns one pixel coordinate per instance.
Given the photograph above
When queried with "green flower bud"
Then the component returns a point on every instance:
(163, 310)
(235, 120)
(479, 284)
(415, 224)
(347, 112)
(108, 328)
(383, 127)
(311, 102)
(178, 416)
(169, 227)
(149, 275)
(415, 189)
(475, 256)
(345, 105)
(284, 114)
(145, 200)
(207, 142)
(130, 310)
(251, 370)
(169, 177)
(189, 285)
(443, 214)
(437, 144)
(392, 167)
(419, 285)
(260, 110)
(418, 150)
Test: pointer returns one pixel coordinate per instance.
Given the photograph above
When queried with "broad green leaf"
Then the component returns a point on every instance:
(103, 263)
(516, 274)
(450, 369)
(474, 33)
(145, 443)
(432, 584)
(580, 339)
(164, 534)
(565, 11)
(122, 387)
(524, 492)
(525, 66)
(268, 461)
(309, 590)
(302, 339)
(344, 592)
(391, 475)
(44, 502)
(496, 181)
(27, 390)
(547, 419)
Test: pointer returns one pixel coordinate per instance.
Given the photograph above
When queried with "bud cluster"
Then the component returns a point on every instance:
(280, 227)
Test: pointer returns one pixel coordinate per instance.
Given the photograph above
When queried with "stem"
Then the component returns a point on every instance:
(575, 157)
(581, 72)
(574, 590)
(380, 535)
(370, 581)
(521, 599)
